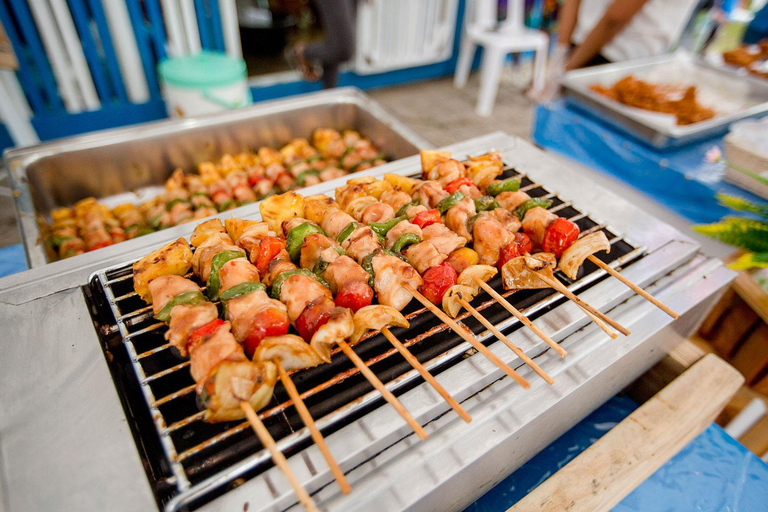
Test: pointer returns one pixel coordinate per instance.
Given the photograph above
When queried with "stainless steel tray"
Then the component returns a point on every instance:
(127, 160)
(736, 97)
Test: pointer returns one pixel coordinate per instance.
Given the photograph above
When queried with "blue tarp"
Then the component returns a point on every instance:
(12, 260)
(713, 473)
(680, 179)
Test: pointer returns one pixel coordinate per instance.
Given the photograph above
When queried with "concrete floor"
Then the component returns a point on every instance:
(443, 115)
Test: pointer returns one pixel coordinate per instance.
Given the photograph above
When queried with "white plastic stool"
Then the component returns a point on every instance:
(498, 41)
(14, 110)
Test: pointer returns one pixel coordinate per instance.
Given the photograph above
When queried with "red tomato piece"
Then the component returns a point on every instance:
(457, 183)
(198, 336)
(354, 296)
(437, 280)
(270, 322)
(559, 236)
(269, 247)
(101, 245)
(426, 218)
(522, 244)
(314, 316)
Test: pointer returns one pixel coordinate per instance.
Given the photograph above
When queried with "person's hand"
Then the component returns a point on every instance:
(555, 71)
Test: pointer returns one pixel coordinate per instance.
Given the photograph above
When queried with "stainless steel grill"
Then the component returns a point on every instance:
(199, 459)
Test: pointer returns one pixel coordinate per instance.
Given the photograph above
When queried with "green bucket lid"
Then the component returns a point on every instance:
(206, 69)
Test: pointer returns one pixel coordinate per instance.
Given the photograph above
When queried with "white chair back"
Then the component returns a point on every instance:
(481, 14)
(515, 20)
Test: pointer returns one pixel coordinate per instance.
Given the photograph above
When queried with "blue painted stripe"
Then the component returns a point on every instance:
(143, 43)
(204, 24)
(218, 32)
(97, 10)
(26, 70)
(157, 28)
(35, 45)
(95, 63)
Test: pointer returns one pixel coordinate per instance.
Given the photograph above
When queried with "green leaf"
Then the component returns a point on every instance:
(751, 260)
(748, 234)
(742, 205)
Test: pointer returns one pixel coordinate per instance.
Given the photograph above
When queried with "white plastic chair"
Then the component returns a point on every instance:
(498, 41)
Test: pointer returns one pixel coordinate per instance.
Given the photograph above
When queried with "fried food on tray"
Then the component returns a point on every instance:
(656, 98)
(752, 57)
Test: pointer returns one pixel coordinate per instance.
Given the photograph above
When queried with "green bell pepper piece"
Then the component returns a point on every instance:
(185, 299)
(404, 241)
(227, 205)
(173, 202)
(485, 203)
(241, 289)
(531, 203)
(449, 202)
(302, 177)
(214, 280)
(508, 185)
(296, 236)
(381, 228)
(347, 231)
(402, 209)
(277, 285)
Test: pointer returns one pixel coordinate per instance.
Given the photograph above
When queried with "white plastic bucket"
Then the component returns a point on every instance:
(205, 83)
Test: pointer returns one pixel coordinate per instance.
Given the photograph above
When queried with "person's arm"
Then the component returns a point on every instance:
(568, 16)
(616, 17)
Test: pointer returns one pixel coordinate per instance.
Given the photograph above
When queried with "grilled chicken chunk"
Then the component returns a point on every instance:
(444, 240)
(412, 211)
(298, 291)
(391, 274)
(276, 267)
(424, 256)
(362, 242)
(313, 246)
(342, 271)
(335, 221)
(201, 261)
(446, 172)
(536, 222)
(456, 218)
(506, 218)
(165, 288)
(348, 193)
(490, 237)
(377, 212)
(430, 193)
(242, 311)
(395, 198)
(511, 200)
(186, 319)
(233, 382)
(212, 351)
(237, 271)
(399, 230)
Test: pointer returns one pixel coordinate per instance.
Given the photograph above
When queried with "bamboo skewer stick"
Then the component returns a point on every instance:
(381, 388)
(469, 338)
(644, 294)
(591, 312)
(514, 348)
(317, 437)
(277, 456)
(521, 317)
(425, 374)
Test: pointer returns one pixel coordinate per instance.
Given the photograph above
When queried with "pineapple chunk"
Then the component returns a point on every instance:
(403, 183)
(172, 259)
(377, 187)
(316, 206)
(204, 230)
(236, 227)
(429, 159)
(276, 209)
(363, 180)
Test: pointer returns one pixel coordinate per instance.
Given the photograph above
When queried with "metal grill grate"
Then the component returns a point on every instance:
(196, 461)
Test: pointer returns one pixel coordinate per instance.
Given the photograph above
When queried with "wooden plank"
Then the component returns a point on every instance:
(761, 386)
(752, 356)
(752, 294)
(618, 462)
(731, 329)
(715, 314)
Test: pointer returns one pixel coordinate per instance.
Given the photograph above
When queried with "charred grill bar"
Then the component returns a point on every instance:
(190, 464)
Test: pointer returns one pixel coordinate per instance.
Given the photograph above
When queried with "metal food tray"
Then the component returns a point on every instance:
(129, 164)
(738, 97)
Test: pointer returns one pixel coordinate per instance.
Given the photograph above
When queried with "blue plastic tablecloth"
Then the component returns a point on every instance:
(677, 178)
(713, 472)
(12, 260)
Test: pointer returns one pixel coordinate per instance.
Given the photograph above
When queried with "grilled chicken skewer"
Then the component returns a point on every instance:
(426, 255)
(349, 282)
(495, 229)
(261, 323)
(393, 279)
